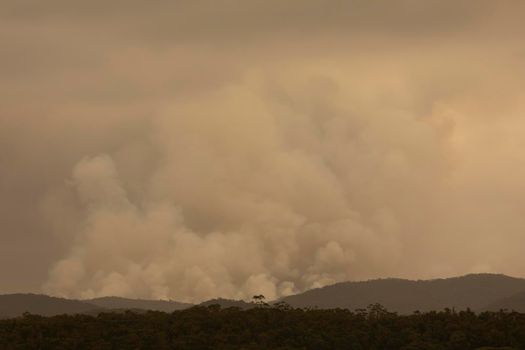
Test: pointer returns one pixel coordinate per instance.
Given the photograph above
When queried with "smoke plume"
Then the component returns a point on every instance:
(196, 150)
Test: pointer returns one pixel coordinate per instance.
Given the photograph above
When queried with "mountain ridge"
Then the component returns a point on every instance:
(474, 291)
(479, 292)
(514, 302)
(113, 302)
(13, 305)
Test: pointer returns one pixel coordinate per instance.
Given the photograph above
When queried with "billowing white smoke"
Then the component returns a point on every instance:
(195, 149)
(256, 189)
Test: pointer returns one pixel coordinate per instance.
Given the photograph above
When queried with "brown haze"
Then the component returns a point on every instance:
(196, 149)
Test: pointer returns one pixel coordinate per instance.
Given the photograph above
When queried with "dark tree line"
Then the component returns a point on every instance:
(267, 327)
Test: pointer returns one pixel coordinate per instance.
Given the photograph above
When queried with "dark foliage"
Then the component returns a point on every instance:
(277, 327)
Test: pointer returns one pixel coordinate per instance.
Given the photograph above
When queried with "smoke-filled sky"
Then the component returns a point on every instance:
(224, 148)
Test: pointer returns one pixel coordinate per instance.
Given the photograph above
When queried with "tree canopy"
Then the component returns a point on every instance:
(268, 327)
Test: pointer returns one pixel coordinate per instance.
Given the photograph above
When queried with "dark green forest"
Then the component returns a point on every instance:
(267, 327)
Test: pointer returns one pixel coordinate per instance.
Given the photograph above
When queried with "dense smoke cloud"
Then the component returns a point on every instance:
(145, 154)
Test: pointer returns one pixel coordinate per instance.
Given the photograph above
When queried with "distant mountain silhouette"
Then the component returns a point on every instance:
(475, 291)
(133, 304)
(479, 292)
(515, 302)
(225, 303)
(12, 305)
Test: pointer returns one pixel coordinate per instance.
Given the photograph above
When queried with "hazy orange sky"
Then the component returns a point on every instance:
(205, 148)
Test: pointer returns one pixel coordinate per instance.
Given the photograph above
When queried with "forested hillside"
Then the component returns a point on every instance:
(12, 305)
(476, 291)
(515, 302)
(264, 327)
(125, 303)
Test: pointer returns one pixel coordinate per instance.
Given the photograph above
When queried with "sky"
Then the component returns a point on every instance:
(188, 150)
